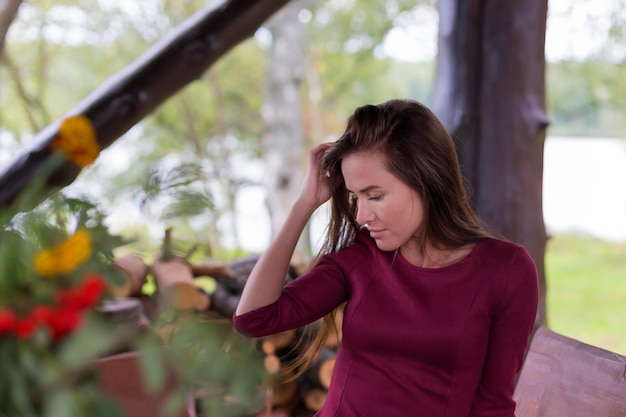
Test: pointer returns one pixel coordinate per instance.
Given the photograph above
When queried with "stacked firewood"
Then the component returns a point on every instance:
(176, 286)
(305, 395)
(175, 279)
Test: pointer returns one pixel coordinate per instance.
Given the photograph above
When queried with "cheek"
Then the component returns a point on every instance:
(408, 216)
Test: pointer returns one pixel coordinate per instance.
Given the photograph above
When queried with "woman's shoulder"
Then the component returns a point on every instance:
(363, 247)
(502, 251)
(511, 273)
(500, 245)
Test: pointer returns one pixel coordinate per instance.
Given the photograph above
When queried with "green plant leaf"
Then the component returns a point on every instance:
(60, 403)
(153, 366)
(95, 338)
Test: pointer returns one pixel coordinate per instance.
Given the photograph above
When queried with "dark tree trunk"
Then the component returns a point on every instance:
(133, 93)
(490, 94)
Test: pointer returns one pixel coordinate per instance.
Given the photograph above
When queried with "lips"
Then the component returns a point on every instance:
(376, 234)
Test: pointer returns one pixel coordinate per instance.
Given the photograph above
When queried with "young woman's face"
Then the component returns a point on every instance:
(391, 210)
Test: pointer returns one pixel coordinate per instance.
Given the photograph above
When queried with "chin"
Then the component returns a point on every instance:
(385, 246)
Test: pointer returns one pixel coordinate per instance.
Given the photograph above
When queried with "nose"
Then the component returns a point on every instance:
(363, 213)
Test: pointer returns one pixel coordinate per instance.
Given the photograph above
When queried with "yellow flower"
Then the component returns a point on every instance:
(65, 257)
(77, 138)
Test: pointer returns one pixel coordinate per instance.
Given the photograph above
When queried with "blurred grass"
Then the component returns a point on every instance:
(586, 298)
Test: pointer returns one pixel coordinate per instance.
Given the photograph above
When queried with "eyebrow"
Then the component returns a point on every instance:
(367, 189)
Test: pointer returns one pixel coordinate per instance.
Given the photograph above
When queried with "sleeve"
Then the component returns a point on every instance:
(303, 301)
(511, 325)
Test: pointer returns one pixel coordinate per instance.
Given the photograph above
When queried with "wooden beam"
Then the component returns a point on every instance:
(137, 90)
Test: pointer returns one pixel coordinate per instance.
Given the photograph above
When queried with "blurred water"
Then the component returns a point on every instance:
(584, 191)
(584, 186)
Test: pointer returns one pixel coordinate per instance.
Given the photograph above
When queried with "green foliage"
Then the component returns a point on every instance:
(59, 51)
(213, 371)
(415, 79)
(586, 98)
(212, 119)
(52, 330)
(42, 367)
(224, 102)
(181, 187)
(586, 290)
(344, 38)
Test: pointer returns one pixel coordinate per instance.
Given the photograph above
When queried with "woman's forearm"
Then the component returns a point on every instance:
(265, 283)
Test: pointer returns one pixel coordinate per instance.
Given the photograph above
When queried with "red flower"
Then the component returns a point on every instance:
(69, 299)
(92, 289)
(8, 321)
(41, 314)
(25, 328)
(87, 295)
(64, 321)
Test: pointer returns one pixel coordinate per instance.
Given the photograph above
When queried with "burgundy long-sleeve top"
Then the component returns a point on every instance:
(416, 342)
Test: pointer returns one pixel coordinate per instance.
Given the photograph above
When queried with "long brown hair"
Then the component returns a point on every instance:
(419, 151)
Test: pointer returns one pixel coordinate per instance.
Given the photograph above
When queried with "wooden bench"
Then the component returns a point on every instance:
(563, 377)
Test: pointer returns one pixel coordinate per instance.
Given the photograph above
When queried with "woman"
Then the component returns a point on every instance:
(438, 312)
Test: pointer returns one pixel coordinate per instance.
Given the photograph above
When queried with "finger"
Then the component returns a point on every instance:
(323, 147)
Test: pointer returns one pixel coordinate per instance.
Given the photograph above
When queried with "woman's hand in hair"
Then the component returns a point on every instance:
(316, 187)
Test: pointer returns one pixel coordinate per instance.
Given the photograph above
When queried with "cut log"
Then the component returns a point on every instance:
(240, 271)
(282, 340)
(223, 301)
(314, 398)
(135, 271)
(176, 287)
(129, 319)
(285, 388)
(272, 364)
(151, 306)
(211, 268)
(124, 310)
(268, 347)
(320, 372)
(302, 411)
(281, 412)
(275, 412)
